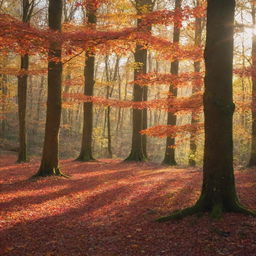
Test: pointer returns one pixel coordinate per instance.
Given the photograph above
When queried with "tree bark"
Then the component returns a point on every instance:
(139, 117)
(169, 156)
(197, 69)
(218, 190)
(144, 122)
(86, 148)
(22, 109)
(50, 160)
(137, 153)
(27, 9)
(3, 83)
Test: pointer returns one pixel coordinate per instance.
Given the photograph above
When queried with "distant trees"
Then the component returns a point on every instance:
(50, 158)
(252, 160)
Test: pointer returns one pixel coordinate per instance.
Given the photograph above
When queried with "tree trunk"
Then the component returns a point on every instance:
(139, 117)
(169, 156)
(144, 122)
(27, 9)
(22, 109)
(86, 148)
(110, 77)
(3, 83)
(137, 153)
(218, 191)
(197, 68)
(252, 161)
(50, 161)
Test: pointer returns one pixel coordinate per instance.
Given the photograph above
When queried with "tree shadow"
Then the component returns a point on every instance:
(113, 216)
(98, 214)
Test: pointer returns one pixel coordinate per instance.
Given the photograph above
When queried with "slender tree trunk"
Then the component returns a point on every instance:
(110, 154)
(145, 122)
(40, 97)
(65, 111)
(139, 117)
(3, 83)
(50, 159)
(86, 148)
(169, 157)
(137, 153)
(111, 77)
(197, 68)
(22, 109)
(252, 161)
(218, 190)
(119, 98)
(27, 8)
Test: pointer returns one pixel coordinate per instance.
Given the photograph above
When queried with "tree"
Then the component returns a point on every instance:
(50, 160)
(139, 117)
(218, 190)
(169, 156)
(199, 25)
(111, 77)
(3, 100)
(86, 148)
(252, 161)
(27, 7)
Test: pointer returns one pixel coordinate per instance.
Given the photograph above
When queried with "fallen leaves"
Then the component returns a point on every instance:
(108, 208)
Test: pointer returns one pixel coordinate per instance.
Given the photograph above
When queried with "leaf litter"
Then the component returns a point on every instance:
(109, 208)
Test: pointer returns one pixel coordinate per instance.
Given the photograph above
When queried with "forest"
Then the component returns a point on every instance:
(127, 127)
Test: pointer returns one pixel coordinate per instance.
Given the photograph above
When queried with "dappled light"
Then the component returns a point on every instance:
(127, 128)
(109, 208)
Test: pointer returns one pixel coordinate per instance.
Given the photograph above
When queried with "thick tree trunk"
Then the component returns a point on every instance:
(218, 191)
(22, 110)
(169, 156)
(252, 161)
(50, 161)
(86, 148)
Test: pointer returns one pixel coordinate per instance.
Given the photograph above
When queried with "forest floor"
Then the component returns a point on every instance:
(109, 208)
